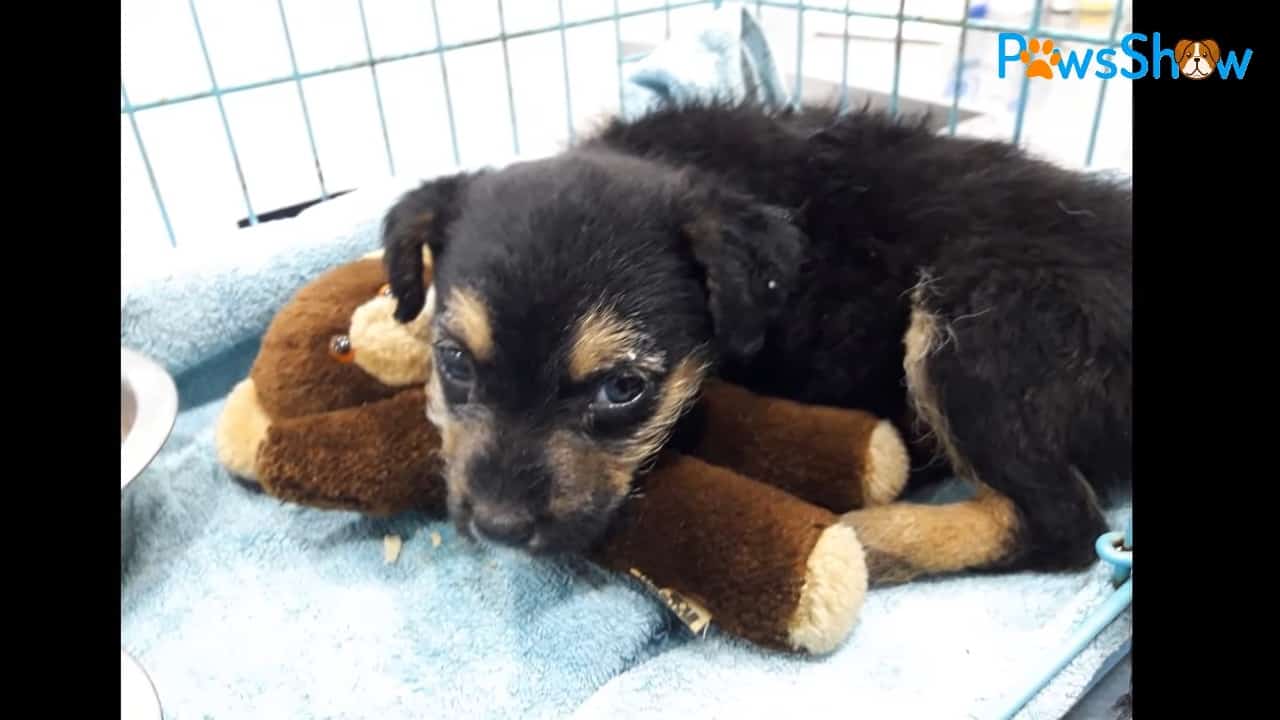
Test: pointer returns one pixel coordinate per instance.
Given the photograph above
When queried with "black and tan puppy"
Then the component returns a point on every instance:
(979, 297)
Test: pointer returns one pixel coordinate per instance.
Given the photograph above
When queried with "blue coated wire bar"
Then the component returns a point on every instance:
(798, 91)
(302, 97)
(1094, 624)
(377, 90)
(1102, 90)
(955, 97)
(897, 57)
(1025, 93)
(222, 111)
(844, 65)
(444, 79)
(983, 25)
(146, 163)
(617, 39)
(564, 61)
(440, 49)
(506, 66)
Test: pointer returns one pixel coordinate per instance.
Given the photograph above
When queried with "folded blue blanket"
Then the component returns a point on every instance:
(240, 606)
(727, 58)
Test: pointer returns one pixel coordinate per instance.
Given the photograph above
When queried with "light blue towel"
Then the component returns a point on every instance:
(240, 606)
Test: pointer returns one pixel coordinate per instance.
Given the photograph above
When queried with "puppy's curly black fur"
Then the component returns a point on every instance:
(979, 297)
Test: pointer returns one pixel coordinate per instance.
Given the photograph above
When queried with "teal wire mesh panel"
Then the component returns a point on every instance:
(849, 14)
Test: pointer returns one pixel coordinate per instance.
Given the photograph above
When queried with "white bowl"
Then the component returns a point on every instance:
(148, 408)
(138, 697)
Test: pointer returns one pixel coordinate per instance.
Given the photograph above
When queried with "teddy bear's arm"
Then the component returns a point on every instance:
(757, 561)
(379, 458)
(835, 458)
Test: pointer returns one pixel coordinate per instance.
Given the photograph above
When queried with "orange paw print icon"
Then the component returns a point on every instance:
(1039, 67)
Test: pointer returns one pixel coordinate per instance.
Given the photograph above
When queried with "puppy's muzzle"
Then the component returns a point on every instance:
(502, 525)
(502, 501)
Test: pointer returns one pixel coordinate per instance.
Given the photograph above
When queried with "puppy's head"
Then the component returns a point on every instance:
(1196, 59)
(579, 302)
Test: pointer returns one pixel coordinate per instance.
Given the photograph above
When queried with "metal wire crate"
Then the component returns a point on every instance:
(846, 9)
(850, 13)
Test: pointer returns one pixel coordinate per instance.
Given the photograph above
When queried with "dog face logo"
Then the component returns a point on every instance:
(1196, 58)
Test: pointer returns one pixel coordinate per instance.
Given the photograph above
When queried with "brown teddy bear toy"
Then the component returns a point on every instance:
(743, 530)
(331, 414)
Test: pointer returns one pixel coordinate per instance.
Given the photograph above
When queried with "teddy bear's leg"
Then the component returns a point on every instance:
(835, 458)
(380, 458)
(241, 430)
(905, 541)
(760, 563)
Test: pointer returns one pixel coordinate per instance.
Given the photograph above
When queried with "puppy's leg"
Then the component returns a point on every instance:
(1021, 384)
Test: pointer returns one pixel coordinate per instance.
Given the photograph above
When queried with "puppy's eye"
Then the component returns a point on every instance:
(455, 364)
(619, 390)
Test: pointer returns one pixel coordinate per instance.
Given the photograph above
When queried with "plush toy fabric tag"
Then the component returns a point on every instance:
(692, 614)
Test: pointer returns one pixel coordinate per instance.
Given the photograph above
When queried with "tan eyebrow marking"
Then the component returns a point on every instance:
(467, 316)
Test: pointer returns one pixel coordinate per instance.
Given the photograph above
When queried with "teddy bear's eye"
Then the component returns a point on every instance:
(340, 349)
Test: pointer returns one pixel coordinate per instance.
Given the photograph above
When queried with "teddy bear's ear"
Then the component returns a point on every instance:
(420, 217)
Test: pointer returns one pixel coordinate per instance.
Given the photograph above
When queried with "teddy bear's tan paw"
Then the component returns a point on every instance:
(835, 585)
(241, 429)
(886, 466)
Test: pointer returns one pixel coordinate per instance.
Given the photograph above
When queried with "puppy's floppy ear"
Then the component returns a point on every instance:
(1212, 47)
(420, 217)
(750, 254)
(1180, 50)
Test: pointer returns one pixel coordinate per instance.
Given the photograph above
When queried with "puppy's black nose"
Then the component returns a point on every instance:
(501, 526)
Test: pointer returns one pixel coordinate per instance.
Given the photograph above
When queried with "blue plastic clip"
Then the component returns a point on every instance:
(1116, 549)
